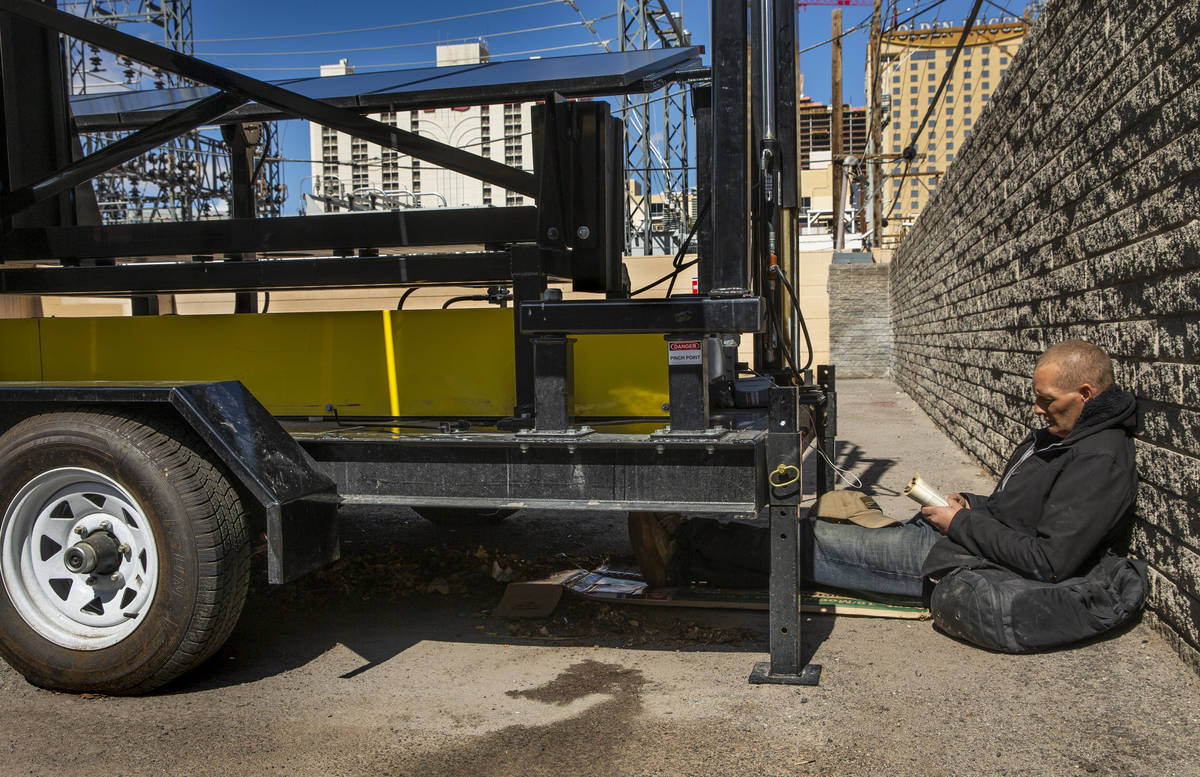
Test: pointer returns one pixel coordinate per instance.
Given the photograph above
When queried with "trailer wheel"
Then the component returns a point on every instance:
(462, 516)
(123, 552)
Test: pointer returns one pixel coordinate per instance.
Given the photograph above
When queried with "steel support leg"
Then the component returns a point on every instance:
(687, 382)
(554, 395)
(784, 457)
(827, 429)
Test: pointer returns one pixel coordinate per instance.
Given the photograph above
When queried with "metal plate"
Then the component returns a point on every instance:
(583, 75)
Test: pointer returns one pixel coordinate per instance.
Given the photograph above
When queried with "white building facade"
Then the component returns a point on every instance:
(352, 174)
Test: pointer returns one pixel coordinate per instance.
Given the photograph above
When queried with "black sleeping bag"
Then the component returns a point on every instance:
(996, 608)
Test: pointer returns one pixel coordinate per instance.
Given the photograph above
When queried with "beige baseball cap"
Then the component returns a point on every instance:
(854, 507)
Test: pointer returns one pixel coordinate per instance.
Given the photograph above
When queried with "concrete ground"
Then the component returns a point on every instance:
(392, 664)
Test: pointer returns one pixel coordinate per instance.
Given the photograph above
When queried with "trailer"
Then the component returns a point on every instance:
(139, 455)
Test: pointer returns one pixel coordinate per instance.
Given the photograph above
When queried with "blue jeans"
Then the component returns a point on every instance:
(842, 555)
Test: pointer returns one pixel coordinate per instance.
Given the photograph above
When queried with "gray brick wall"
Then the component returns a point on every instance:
(860, 323)
(1074, 211)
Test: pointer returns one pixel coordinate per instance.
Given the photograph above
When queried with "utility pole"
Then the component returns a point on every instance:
(835, 131)
(876, 138)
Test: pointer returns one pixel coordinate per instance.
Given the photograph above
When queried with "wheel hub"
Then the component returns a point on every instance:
(98, 552)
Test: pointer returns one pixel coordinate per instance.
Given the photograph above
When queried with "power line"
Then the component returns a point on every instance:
(384, 26)
(910, 151)
(401, 45)
(866, 22)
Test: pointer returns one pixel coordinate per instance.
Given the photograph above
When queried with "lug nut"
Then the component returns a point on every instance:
(91, 580)
(123, 548)
(117, 578)
(105, 526)
(81, 531)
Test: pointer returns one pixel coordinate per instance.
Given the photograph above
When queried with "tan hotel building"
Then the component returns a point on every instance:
(912, 62)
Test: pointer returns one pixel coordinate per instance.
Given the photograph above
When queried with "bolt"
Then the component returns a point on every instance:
(91, 580)
(81, 531)
(666, 406)
(552, 233)
(583, 232)
(117, 578)
(105, 526)
(123, 548)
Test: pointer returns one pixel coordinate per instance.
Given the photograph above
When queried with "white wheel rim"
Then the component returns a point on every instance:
(76, 610)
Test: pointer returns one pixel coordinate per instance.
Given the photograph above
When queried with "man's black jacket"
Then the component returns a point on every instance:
(1054, 513)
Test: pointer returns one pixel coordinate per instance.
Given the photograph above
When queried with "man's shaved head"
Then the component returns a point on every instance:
(1079, 362)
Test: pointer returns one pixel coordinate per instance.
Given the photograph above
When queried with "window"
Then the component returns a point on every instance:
(949, 86)
(932, 88)
(912, 65)
(896, 139)
(967, 122)
(912, 101)
(895, 114)
(912, 125)
(1003, 70)
(967, 99)
(949, 157)
(915, 206)
(913, 89)
(895, 92)
(1003, 60)
(949, 123)
(931, 147)
(967, 75)
(949, 146)
(950, 112)
(932, 76)
(987, 97)
(967, 86)
(895, 79)
(986, 86)
(985, 73)
(985, 61)
(913, 78)
(913, 112)
(987, 50)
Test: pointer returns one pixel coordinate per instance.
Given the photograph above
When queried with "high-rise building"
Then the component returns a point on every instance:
(352, 174)
(814, 128)
(912, 63)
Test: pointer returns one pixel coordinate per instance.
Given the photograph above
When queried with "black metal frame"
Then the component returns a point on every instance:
(539, 456)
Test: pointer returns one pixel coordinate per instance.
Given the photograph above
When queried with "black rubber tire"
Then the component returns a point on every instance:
(462, 516)
(200, 532)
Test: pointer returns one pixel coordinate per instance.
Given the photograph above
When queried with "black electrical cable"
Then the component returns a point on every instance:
(799, 315)
(407, 293)
(676, 262)
(466, 298)
(910, 151)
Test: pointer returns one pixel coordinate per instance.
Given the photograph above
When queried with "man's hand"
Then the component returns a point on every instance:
(940, 517)
(958, 500)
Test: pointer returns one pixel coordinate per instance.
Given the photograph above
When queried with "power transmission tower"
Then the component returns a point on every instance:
(657, 212)
(187, 179)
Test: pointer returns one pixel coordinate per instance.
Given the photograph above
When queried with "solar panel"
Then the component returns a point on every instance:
(585, 75)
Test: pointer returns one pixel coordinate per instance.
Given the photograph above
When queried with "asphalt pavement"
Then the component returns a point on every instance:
(393, 663)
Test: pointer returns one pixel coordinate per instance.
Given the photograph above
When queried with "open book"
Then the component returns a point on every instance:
(920, 491)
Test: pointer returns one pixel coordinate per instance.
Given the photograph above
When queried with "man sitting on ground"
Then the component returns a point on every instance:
(1062, 500)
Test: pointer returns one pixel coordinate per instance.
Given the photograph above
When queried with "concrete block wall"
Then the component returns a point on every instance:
(860, 323)
(1073, 211)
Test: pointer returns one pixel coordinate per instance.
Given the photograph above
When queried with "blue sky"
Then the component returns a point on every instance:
(294, 39)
